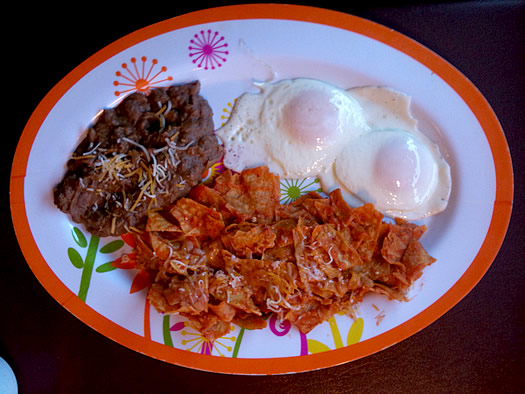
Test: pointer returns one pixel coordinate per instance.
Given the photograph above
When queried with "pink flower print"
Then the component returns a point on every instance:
(208, 50)
(279, 328)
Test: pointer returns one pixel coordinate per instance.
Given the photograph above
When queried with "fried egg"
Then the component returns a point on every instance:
(362, 140)
(295, 127)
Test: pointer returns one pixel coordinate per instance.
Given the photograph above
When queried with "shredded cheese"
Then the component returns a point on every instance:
(152, 174)
(142, 147)
(90, 152)
(141, 194)
(113, 224)
(160, 111)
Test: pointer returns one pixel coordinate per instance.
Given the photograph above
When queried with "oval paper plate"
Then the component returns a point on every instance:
(227, 48)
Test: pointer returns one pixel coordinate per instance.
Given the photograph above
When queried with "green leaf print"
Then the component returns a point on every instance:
(87, 269)
(112, 246)
(87, 264)
(105, 267)
(238, 343)
(166, 330)
(75, 258)
(79, 237)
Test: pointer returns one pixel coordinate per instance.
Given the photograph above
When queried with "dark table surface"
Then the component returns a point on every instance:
(478, 346)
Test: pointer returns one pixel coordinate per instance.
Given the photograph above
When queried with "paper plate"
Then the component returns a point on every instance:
(226, 49)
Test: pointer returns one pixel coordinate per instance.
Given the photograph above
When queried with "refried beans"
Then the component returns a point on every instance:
(143, 154)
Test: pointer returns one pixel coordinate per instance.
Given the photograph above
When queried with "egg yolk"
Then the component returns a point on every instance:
(311, 118)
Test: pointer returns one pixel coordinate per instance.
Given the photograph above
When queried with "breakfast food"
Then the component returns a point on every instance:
(228, 251)
(231, 253)
(145, 153)
(363, 141)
